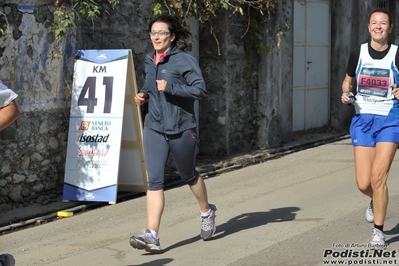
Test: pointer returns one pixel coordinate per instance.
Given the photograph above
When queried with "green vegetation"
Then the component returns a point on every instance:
(256, 13)
(66, 11)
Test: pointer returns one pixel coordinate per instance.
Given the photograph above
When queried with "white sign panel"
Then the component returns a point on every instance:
(94, 142)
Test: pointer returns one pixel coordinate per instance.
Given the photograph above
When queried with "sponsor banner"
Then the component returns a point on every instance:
(95, 130)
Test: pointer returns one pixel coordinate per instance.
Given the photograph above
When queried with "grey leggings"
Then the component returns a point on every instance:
(182, 146)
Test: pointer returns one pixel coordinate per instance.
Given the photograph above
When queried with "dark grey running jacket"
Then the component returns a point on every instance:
(172, 111)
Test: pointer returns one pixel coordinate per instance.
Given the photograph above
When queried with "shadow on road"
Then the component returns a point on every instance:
(232, 226)
(255, 219)
(243, 222)
(393, 231)
(159, 262)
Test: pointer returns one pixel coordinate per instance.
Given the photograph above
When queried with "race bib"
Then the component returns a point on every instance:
(373, 82)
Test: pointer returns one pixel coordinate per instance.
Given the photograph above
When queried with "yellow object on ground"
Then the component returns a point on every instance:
(64, 214)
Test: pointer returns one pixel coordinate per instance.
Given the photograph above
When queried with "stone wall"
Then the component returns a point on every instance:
(275, 94)
(39, 68)
(124, 27)
(228, 115)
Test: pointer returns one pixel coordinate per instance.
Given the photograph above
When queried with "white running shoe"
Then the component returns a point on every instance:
(146, 241)
(208, 226)
(378, 239)
(369, 212)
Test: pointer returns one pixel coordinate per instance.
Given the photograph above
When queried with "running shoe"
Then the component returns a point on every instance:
(369, 212)
(208, 226)
(146, 241)
(378, 239)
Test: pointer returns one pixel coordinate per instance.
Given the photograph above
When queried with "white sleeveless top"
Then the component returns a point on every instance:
(375, 79)
(6, 95)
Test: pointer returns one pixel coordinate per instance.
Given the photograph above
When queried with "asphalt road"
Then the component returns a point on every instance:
(287, 211)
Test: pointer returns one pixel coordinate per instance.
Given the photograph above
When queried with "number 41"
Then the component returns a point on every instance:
(91, 100)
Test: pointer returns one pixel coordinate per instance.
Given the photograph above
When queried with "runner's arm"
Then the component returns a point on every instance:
(8, 114)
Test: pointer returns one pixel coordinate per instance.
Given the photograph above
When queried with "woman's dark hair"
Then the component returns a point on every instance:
(182, 35)
(382, 10)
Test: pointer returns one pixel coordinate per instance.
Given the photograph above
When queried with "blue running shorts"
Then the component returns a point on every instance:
(368, 129)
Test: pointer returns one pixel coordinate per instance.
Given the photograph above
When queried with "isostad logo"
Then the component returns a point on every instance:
(93, 138)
